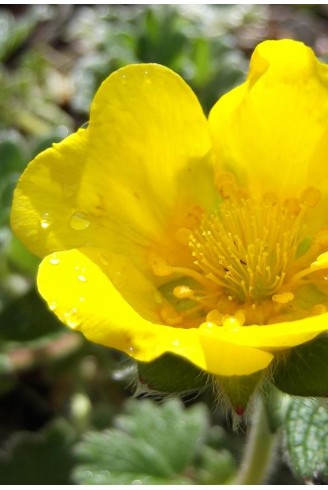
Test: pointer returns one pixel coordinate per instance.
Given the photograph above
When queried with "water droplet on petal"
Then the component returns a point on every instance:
(131, 349)
(176, 342)
(52, 305)
(69, 190)
(82, 278)
(119, 280)
(79, 221)
(71, 318)
(45, 221)
(54, 260)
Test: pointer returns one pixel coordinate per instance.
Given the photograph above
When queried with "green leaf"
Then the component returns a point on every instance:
(152, 444)
(306, 432)
(13, 151)
(23, 260)
(304, 370)
(218, 467)
(27, 318)
(171, 374)
(43, 458)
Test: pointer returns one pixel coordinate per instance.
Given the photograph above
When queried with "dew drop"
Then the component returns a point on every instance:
(54, 260)
(147, 78)
(71, 318)
(52, 305)
(118, 279)
(69, 190)
(131, 349)
(176, 342)
(82, 278)
(79, 221)
(45, 221)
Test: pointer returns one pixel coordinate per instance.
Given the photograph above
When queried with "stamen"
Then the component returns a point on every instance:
(214, 316)
(183, 292)
(246, 248)
(231, 324)
(160, 266)
(170, 316)
(319, 309)
(183, 235)
(249, 259)
(310, 197)
(283, 298)
(225, 183)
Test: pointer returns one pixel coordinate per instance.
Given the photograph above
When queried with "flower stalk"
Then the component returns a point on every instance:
(259, 450)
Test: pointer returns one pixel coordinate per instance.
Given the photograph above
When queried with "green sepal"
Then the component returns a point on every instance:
(303, 371)
(171, 374)
(238, 389)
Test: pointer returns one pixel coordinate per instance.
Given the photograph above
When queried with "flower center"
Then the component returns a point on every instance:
(249, 261)
(246, 247)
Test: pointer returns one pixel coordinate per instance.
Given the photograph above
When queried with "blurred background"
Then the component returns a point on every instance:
(68, 409)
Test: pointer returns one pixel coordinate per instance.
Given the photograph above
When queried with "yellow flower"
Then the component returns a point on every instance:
(165, 232)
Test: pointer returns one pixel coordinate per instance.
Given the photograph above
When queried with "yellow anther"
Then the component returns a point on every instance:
(160, 266)
(240, 316)
(319, 309)
(214, 316)
(310, 196)
(194, 216)
(320, 263)
(271, 197)
(321, 238)
(283, 298)
(231, 323)
(183, 292)
(292, 205)
(225, 183)
(222, 177)
(170, 316)
(183, 235)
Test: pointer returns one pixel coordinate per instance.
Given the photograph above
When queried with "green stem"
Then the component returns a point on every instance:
(259, 450)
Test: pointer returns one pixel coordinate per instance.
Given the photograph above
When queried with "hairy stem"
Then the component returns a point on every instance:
(259, 450)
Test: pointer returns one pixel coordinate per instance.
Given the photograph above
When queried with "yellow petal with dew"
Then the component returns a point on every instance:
(273, 337)
(149, 157)
(129, 179)
(267, 131)
(94, 306)
(46, 198)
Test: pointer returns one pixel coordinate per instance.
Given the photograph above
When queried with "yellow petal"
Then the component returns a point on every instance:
(273, 337)
(268, 131)
(130, 179)
(45, 198)
(149, 133)
(148, 160)
(77, 288)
